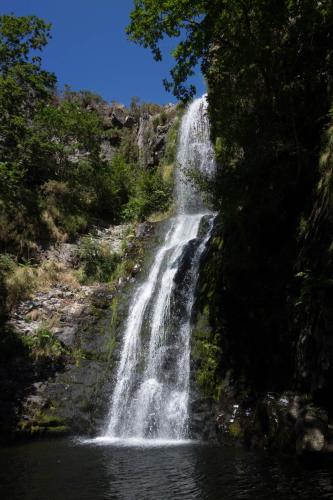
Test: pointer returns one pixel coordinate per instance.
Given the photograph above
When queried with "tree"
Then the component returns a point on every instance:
(269, 70)
(23, 87)
(231, 27)
(18, 37)
(152, 20)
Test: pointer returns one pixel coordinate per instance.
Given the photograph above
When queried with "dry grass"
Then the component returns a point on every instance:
(53, 321)
(34, 315)
(56, 234)
(20, 283)
(24, 280)
(51, 273)
(168, 173)
(39, 315)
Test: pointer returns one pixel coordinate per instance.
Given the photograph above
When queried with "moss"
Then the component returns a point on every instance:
(161, 216)
(53, 430)
(167, 172)
(206, 354)
(60, 429)
(43, 423)
(207, 332)
(112, 329)
(235, 430)
(48, 421)
(78, 355)
(112, 344)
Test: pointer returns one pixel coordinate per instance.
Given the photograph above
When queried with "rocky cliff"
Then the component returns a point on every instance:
(60, 340)
(66, 342)
(139, 132)
(262, 343)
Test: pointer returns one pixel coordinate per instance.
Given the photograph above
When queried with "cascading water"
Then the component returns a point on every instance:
(150, 398)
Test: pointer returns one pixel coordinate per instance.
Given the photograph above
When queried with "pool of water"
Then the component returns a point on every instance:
(83, 470)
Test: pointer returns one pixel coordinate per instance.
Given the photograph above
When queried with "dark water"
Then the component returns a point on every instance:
(63, 470)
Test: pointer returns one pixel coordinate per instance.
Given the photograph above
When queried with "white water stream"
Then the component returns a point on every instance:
(151, 394)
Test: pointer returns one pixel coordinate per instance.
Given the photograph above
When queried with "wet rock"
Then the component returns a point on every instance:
(67, 335)
(311, 430)
(287, 422)
(142, 230)
(311, 441)
(202, 425)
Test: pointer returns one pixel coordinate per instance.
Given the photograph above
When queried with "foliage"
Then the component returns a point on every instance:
(150, 193)
(97, 260)
(151, 21)
(268, 67)
(206, 353)
(20, 281)
(252, 32)
(20, 35)
(113, 181)
(43, 344)
(54, 181)
(24, 87)
(128, 148)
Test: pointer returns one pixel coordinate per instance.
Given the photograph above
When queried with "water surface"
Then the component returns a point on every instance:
(66, 470)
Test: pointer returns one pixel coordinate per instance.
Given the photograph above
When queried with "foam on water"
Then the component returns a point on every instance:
(137, 442)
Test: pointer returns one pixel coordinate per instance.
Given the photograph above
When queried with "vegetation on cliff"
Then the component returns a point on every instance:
(71, 166)
(268, 67)
(66, 161)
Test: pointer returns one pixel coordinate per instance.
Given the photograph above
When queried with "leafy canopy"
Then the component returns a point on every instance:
(18, 37)
(239, 26)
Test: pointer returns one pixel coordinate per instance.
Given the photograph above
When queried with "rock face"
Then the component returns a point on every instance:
(202, 418)
(287, 422)
(66, 387)
(243, 412)
(146, 127)
(152, 133)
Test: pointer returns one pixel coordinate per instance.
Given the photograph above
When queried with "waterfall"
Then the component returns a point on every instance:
(151, 394)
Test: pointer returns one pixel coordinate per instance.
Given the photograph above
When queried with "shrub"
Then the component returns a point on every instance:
(7, 263)
(150, 194)
(43, 344)
(112, 186)
(20, 282)
(51, 272)
(97, 260)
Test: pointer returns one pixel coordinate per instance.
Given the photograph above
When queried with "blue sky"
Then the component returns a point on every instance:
(89, 49)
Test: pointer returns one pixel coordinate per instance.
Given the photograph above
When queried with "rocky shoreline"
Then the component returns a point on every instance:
(288, 422)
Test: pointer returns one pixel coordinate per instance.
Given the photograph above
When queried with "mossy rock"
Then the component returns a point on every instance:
(43, 423)
(205, 354)
(235, 430)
